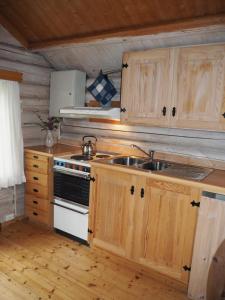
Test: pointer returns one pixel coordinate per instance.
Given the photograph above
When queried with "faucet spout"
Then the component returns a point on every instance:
(150, 154)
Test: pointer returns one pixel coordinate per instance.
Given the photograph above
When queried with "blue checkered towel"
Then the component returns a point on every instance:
(102, 89)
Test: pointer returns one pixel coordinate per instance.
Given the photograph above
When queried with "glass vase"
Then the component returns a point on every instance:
(49, 140)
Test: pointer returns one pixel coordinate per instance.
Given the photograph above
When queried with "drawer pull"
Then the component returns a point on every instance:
(35, 190)
(35, 214)
(35, 202)
(35, 166)
(35, 156)
(35, 178)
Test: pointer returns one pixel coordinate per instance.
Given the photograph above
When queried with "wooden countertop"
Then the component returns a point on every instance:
(214, 182)
(58, 149)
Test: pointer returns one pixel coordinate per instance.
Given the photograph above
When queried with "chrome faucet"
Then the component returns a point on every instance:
(150, 154)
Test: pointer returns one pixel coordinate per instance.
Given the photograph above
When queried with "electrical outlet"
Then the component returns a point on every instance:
(9, 217)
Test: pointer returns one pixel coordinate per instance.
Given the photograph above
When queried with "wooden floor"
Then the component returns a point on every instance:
(38, 264)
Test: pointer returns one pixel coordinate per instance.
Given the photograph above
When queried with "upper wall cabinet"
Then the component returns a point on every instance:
(175, 87)
(146, 87)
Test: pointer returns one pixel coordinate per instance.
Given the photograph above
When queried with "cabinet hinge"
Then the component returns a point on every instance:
(125, 65)
(194, 203)
(186, 268)
(123, 109)
(92, 179)
(132, 190)
(90, 231)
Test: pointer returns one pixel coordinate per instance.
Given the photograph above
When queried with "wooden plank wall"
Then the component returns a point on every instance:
(34, 90)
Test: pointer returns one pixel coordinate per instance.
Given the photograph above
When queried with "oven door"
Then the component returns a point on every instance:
(71, 218)
(72, 187)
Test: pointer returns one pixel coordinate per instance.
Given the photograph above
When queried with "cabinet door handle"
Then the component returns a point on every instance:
(164, 111)
(35, 166)
(35, 190)
(35, 214)
(35, 202)
(174, 111)
(35, 178)
(35, 156)
(142, 192)
(132, 190)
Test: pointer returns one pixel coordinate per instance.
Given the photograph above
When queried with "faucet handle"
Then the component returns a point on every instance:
(151, 154)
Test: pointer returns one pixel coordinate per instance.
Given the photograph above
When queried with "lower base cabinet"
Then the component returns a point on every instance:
(148, 221)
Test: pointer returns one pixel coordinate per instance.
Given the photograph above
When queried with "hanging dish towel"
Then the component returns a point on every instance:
(102, 89)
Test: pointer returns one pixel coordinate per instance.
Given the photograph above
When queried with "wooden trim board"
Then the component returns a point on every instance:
(10, 75)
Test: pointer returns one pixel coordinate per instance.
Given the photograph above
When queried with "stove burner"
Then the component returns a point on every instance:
(81, 157)
(102, 155)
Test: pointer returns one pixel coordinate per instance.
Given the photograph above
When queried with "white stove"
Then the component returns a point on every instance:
(71, 194)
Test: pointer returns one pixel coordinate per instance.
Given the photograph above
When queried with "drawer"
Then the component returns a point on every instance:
(38, 191)
(37, 178)
(36, 166)
(37, 215)
(37, 203)
(36, 157)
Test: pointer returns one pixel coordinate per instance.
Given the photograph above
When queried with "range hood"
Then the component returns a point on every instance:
(90, 112)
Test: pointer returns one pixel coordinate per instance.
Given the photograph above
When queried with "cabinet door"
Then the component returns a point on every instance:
(146, 87)
(112, 210)
(198, 88)
(164, 228)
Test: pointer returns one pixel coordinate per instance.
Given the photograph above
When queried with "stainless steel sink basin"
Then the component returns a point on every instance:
(127, 161)
(155, 165)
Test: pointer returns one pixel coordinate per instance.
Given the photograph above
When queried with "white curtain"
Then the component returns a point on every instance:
(11, 139)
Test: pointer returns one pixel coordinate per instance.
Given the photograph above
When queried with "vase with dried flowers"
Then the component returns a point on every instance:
(51, 124)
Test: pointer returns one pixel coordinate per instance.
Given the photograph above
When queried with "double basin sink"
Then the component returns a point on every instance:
(161, 166)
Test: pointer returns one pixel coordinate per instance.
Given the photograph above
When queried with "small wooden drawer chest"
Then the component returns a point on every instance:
(39, 187)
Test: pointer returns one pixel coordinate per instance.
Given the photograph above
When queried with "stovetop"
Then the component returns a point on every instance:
(87, 157)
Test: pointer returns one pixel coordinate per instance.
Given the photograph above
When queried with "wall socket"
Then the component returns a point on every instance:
(9, 217)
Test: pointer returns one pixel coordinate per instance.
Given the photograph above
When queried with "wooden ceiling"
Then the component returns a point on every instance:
(43, 23)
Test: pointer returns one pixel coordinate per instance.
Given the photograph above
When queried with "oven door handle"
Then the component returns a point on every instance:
(77, 211)
(75, 174)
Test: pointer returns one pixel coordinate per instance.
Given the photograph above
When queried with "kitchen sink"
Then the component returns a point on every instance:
(127, 161)
(155, 165)
(164, 167)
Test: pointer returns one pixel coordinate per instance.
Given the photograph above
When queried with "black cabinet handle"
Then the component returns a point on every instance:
(123, 109)
(142, 192)
(35, 190)
(164, 111)
(35, 156)
(35, 202)
(35, 166)
(35, 178)
(174, 111)
(223, 114)
(132, 190)
(92, 179)
(35, 214)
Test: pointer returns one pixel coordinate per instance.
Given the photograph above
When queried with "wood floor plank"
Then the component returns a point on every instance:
(36, 263)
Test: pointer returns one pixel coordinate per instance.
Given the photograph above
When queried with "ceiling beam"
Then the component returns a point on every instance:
(134, 31)
(14, 32)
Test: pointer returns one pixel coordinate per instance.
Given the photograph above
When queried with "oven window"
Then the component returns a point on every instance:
(71, 188)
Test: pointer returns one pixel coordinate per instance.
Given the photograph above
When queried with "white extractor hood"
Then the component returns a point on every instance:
(90, 112)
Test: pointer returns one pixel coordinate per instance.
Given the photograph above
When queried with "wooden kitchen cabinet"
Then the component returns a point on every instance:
(38, 189)
(112, 210)
(146, 87)
(198, 88)
(147, 221)
(164, 227)
(175, 87)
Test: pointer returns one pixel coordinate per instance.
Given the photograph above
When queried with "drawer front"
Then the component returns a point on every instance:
(37, 203)
(36, 157)
(37, 178)
(36, 166)
(37, 190)
(37, 215)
